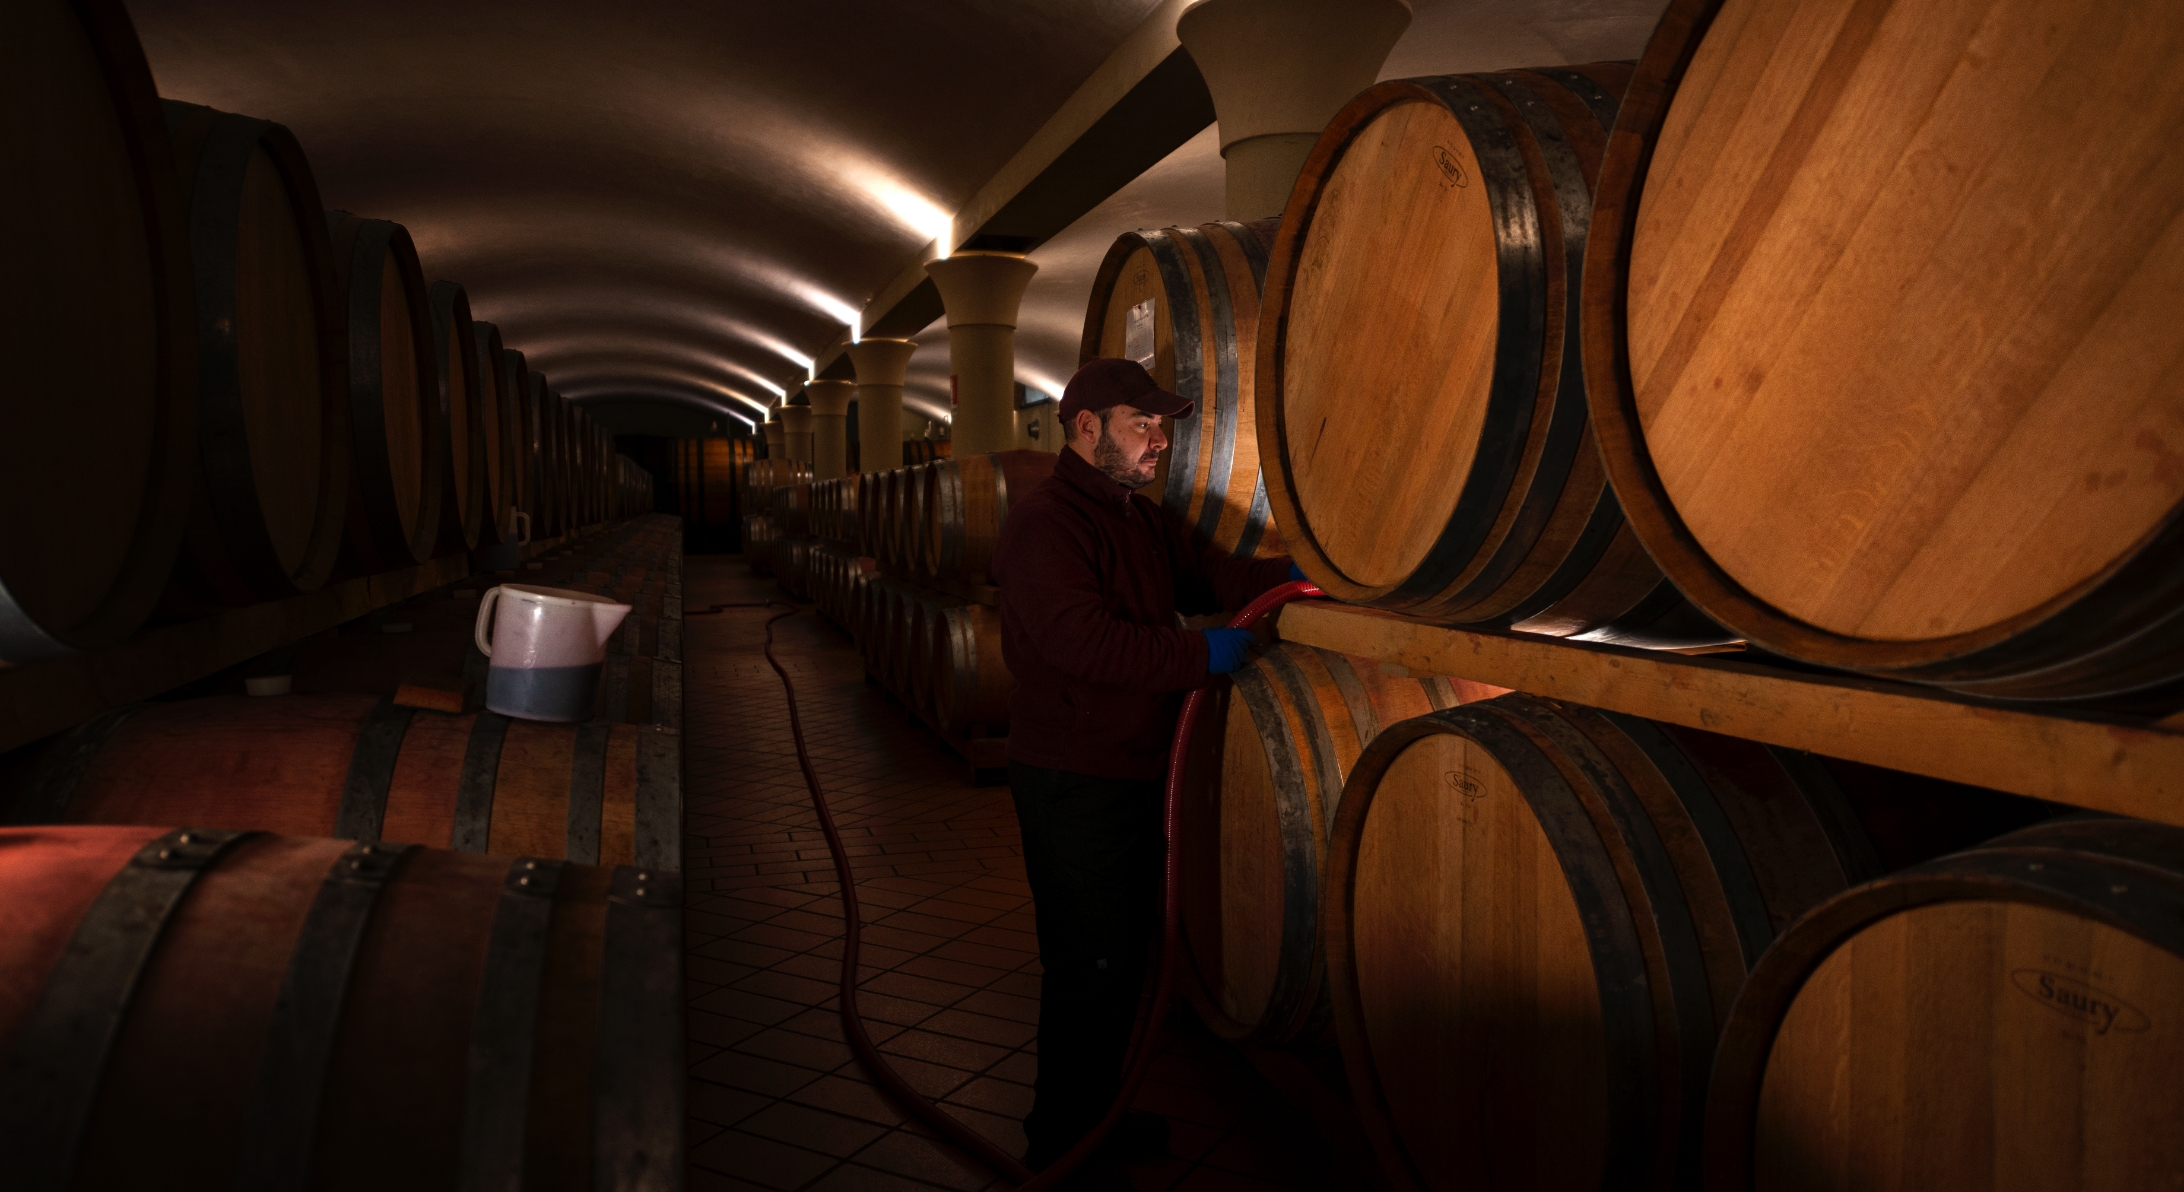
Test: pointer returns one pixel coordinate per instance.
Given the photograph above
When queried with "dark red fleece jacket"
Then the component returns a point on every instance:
(1092, 576)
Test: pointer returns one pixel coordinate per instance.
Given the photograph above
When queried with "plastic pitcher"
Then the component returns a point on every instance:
(546, 647)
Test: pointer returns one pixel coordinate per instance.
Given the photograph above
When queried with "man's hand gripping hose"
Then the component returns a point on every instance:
(1151, 1013)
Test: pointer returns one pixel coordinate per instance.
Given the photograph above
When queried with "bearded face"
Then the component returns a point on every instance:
(1128, 449)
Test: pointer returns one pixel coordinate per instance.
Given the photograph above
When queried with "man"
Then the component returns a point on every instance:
(1092, 575)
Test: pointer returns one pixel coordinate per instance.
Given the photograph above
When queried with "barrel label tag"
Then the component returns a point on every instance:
(2102, 1010)
(1137, 336)
(1452, 170)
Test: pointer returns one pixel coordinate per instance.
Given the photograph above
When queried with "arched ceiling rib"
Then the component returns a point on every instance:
(656, 198)
(684, 202)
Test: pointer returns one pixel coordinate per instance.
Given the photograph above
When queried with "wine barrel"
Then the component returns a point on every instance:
(2005, 1017)
(362, 768)
(496, 434)
(969, 682)
(272, 436)
(759, 536)
(1423, 412)
(925, 451)
(105, 453)
(463, 416)
(398, 453)
(887, 521)
(1185, 303)
(1880, 341)
(1266, 769)
(347, 1015)
(545, 494)
(521, 442)
(1536, 918)
(970, 501)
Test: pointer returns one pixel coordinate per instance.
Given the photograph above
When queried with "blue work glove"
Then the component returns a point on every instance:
(1296, 573)
(1225, 649)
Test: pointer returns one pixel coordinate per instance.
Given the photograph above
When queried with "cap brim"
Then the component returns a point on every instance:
(1165, 404)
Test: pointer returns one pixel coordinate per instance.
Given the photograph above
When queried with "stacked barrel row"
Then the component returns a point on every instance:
(1800, 331)
(261, 395)
(710, 494)
(229, 395)
(1565, 948)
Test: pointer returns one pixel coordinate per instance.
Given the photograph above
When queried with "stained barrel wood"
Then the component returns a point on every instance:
(515, 382)
(971, 496)
(397, 450)
(496, 433)
(966, 682)
(1422, 411)
(1880, 339)
(2008, 1017)
(269, 512)
(1537, 917)
(103, 442)
(349, 1016)
(1185, 301)
(465, 420)
(1267, 774)
(361, 768)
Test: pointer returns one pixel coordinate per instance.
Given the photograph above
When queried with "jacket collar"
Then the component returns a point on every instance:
(1092, 482)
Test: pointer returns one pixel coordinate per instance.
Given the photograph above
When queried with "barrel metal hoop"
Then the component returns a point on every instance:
(659, 843)
(1629, 1041)
(1293, 821)
(1566, 433)
(1227, 374)
(1319, 741)
(496, 1109)
(1522, 301)
(1725, 852)
(54, 787)
(1354, 697)
(637, 1078)
(587, 790)
(48, 1085)
(371, 772)
(1190, 367)
(474, 791)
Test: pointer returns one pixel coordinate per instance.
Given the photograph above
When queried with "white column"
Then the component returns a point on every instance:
(980, 291)
(1278, 71)
(830, 427)
(880, 366)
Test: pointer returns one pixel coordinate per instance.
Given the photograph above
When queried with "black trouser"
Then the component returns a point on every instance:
(1092, 852)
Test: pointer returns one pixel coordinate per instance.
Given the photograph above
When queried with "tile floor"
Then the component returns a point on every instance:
(949, 979)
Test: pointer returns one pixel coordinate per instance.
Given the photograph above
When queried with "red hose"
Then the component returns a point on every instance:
(972, 1143)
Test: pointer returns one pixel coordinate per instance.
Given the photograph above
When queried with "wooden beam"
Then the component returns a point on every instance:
(1137, 107)
(2104, 763)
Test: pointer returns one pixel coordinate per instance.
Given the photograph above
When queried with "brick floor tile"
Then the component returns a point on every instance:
(717, 1103)
(945, 1049)
(1002, 1096)
(851, 1177)
(754, 1074)
(762, 1161)
(813, 1129)
(792, 1047)
(751, 1007)
(904, 984)
(920, 1158)
(856, 1097)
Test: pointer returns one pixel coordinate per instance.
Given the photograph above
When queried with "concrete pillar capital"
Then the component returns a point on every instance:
(881, 361)
(981, 288)
(773, 431)
(796, 420)
(830, 399)
(1278, 70)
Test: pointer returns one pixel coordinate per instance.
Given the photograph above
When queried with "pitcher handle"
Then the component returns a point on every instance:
(480, 632)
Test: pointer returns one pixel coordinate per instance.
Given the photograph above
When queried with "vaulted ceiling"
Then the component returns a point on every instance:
(685, 202)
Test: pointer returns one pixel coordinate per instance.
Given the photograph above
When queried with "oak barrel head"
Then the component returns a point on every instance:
(102, 342)
(1878, 368)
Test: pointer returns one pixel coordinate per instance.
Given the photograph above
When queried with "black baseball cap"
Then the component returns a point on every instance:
(1108, 381)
